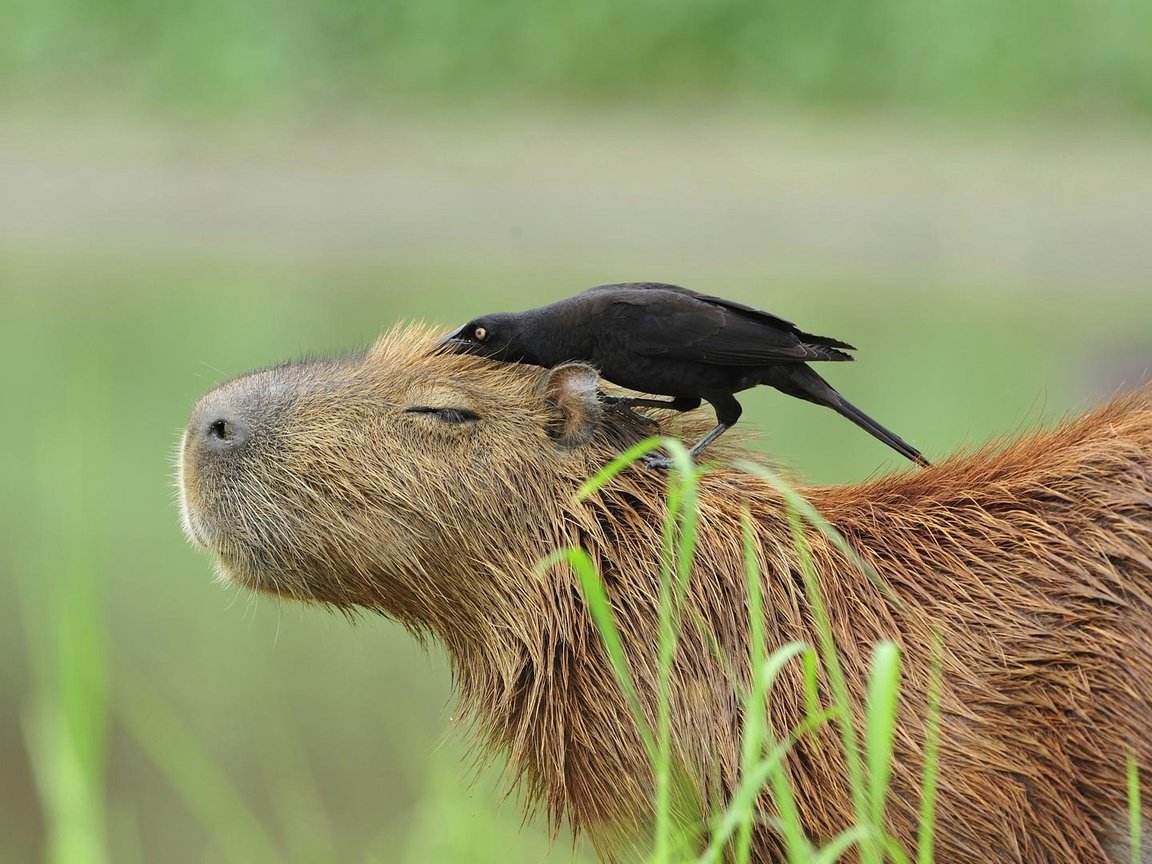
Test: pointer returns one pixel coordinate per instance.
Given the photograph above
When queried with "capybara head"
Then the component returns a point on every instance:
(345, 480)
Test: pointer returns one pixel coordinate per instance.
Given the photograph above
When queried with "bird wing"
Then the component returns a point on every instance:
(665, 288)
(668, 321)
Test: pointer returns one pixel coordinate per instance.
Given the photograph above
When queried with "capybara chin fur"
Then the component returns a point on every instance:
(427, 488)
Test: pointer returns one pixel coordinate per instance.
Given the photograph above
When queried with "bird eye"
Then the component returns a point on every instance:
(480, 333)
(448, 415)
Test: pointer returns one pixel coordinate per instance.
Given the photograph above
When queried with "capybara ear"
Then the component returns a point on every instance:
(571, 390)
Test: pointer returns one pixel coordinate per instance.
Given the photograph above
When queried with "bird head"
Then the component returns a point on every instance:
(496, 336)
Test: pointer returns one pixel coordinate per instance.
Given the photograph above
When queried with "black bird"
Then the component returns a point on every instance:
(670, 341)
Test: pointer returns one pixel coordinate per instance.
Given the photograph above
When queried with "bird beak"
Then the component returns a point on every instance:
(453, 337)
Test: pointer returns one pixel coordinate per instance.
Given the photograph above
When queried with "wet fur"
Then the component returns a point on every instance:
(1032, 560)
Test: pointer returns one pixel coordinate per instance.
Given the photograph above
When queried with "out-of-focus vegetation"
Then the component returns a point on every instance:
(251, 55)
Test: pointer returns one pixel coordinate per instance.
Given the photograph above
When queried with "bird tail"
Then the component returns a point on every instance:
(816, 389)
(824, 341)
(847, 409)
(824, 352)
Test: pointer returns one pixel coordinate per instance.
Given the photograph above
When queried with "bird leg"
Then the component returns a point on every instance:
(694, 451)
(728, 411)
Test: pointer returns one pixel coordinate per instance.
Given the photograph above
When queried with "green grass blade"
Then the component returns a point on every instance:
(796, 844)
(926, 839)
(892, 849)
(757, 771)
(678, 551)
(668, 624)
(797, 509)
(800, 510)
(75, 832)
(755, 708)
(770, 669)
(750, 786)
(812, 681)
(606, 474)
(839, 845)
(60, 592)
(743, 801)
(687, 514)
(800, 505)
(205, 789)
(1135, 834)
(755, 734)
(883, 694)
(592, 587)
(298, 802)
(841, 703)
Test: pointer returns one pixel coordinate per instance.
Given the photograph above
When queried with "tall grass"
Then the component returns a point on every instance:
(66, 720)
(867, 750)
(1135, 832)
(236, 833)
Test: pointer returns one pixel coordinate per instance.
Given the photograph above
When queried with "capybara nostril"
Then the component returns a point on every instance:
(222, 433)
(222, 422)
(222, 430)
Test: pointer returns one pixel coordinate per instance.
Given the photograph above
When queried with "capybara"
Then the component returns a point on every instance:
(428, 487)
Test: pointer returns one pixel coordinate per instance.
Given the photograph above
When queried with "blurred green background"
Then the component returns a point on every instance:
(191, 190)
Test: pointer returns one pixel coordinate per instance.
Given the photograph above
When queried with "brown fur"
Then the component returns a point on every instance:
(1033, 561)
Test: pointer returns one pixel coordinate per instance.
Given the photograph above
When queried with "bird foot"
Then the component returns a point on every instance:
(657, 462)
(642, 419)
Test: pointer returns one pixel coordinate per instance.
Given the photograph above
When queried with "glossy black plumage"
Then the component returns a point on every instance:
(670, 341)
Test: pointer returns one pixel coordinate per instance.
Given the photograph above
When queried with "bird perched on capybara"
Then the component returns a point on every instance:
(671, 341)
(427, 487)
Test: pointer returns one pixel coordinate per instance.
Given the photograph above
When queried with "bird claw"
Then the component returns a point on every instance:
(620, 405)
(642, 419)
(656, 462)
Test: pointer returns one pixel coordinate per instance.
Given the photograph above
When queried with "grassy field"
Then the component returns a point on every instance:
(1045, 56)
(164, 717)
